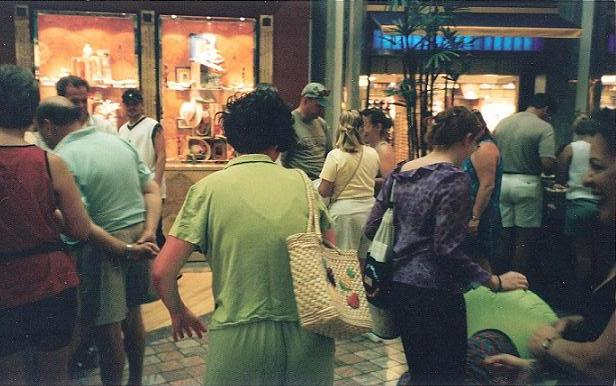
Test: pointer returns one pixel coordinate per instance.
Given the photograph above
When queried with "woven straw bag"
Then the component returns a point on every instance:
(327, 282)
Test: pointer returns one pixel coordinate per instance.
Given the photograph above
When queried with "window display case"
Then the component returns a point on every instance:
(99, 48)
(204, 61)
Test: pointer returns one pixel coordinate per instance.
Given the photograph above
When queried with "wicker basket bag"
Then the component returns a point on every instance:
(327, 281)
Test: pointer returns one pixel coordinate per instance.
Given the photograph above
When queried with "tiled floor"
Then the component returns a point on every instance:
(359, 361)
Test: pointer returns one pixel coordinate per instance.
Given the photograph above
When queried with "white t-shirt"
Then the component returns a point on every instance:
(339, 167)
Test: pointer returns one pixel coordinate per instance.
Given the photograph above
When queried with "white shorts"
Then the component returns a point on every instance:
(521, 201)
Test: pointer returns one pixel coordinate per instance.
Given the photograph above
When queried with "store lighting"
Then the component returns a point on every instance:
(509, 86)
(363, 81)
(242, 18)
(174, 16)
(486, 86)
(608, 79)
(209, 17)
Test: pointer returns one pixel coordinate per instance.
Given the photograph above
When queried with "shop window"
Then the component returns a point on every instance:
(99, 48)
(204, 61)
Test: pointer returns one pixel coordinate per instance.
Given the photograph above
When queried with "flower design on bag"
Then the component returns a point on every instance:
(353, 300)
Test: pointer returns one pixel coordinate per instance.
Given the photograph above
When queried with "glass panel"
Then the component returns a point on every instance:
(98, 48)
(204, 61)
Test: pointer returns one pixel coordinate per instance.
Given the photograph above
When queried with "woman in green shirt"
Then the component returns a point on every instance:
(240, 218)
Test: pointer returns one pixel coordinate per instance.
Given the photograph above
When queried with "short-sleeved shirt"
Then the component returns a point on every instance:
(313, 144)
(432, 207)
(523, 139)
(110, 176)
(240, 217)
(339, 167)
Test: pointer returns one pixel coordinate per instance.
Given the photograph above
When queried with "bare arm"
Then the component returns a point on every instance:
(594, 360)
(164, 273)
(387, 159)
(562, 165)
(161, 155)
(484, 160)
(326, 188)
(75, 219)
(151, 195)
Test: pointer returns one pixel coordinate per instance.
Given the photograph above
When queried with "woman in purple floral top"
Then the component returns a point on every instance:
(432, 207)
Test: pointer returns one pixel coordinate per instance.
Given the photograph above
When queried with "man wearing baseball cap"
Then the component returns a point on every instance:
(313, 135)
(146, 136)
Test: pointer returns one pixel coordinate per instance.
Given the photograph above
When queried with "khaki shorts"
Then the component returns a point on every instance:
(110, 284)
(521, 201)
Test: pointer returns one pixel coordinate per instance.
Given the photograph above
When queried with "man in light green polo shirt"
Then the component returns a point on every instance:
(313, 136)
(122, 198)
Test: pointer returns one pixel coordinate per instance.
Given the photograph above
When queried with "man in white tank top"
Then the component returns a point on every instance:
(146, 136)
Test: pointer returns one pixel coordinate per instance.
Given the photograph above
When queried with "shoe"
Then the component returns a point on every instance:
(373, 337)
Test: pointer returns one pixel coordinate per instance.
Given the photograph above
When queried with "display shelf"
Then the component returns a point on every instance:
(203, 62)
(97, 47)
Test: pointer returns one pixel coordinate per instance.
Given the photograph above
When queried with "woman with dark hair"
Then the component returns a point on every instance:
(580, 349)
(485, 169)
(240, 219)
(432, 208)
(376, 132)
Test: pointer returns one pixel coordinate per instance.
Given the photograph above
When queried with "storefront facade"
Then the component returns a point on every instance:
(187, 57)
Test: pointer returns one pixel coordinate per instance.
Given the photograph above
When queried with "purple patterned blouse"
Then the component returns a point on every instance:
(432, 207)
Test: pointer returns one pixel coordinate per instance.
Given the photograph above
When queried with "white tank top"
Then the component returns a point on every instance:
(577, 169)
(140, 136)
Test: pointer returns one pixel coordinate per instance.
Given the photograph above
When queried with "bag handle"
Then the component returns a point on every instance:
(313, 217)
(361, 155)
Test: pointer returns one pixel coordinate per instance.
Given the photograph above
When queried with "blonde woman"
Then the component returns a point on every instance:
(347, 178)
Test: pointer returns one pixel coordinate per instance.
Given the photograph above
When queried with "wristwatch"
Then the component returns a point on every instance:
(129, 250)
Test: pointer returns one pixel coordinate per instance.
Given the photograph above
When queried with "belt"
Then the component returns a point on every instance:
(43, 248)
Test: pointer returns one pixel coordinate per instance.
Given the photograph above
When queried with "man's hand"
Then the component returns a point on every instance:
(147, 236)
(145, 250)
(513, 280)
(184, 322)
(510, 366)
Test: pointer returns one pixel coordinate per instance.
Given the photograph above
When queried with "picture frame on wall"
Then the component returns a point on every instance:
(182, 75)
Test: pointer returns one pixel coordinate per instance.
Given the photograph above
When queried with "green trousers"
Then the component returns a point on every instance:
(269, 353)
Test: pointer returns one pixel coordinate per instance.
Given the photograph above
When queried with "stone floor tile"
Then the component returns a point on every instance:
(164, 347)
(175, 375)
(386, 375)
(384, 362)
(367, 379)
(187, 382)
(196, 350)
(170, 366)
(368, 354)
(398, 357)
(391, 383)
(350, 359)
(196, 371)
(153, 379)
(150, 360)
(347, 371)
(170, 356)
(149, 351)
(353, 347)
(192, 361)
(366, 367)
(187, 343)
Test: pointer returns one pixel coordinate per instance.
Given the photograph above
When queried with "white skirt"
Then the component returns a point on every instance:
(349, 217)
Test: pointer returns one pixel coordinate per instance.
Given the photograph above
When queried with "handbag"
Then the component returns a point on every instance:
(377, 274)
(326, 281)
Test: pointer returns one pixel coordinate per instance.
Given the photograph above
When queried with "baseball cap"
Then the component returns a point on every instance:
(131, 96)
(316, 91)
